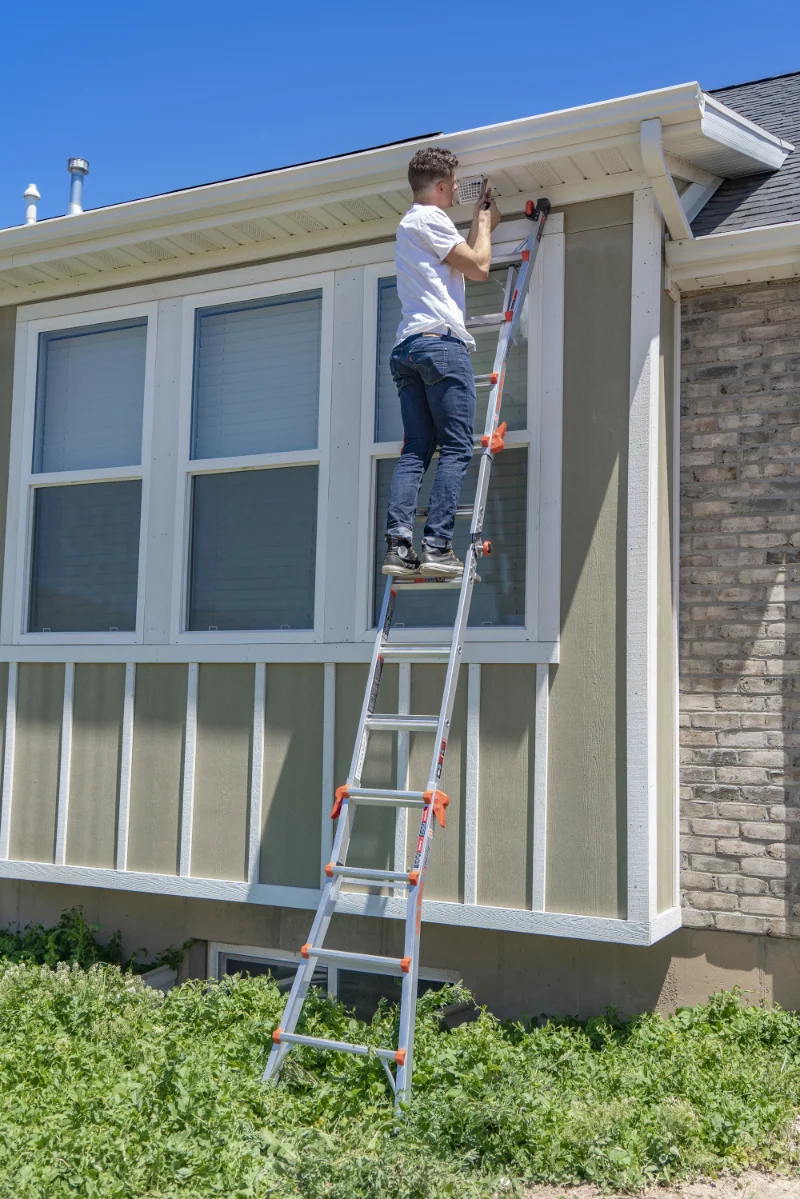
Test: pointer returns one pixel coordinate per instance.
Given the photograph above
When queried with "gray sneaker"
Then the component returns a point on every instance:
(440, 563)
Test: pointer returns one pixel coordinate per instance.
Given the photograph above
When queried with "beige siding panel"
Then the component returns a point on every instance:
(586, 840)
(598, 214)
(372, 843)
(505, 813)
(666, 665)
(290, 836)
(222, 771)
(159, 723)
(8, 327)
(98, 696)
(445, 876)
(40, 703)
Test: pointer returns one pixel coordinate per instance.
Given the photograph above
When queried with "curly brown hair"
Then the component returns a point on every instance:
(428, 167)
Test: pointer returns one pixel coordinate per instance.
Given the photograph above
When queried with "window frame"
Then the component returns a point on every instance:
(219, 950)
(24, 481)
(187, 468)
(541, 438)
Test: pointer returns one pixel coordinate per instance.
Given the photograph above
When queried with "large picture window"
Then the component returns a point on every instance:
(499, 599)
(85, 481)
(254, 491)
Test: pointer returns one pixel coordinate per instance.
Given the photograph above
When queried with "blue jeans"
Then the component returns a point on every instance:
(437, 400)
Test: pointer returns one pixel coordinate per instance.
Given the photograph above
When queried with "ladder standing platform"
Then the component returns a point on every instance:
(432, 801)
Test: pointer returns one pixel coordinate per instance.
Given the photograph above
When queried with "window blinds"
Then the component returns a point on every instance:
(256, 378)
(85, 559)
(253, 550)
(90, 392)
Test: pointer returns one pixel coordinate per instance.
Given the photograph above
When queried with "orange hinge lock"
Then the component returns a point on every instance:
(497, 441)
(487, 547)
(440, 802)
(342, 793)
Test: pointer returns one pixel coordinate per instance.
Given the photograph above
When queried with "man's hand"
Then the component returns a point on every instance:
(486, 204)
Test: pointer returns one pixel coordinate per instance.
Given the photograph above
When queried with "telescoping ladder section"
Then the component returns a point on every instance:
(432, 800)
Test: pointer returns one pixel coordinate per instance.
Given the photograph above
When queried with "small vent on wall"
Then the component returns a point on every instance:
(612, 161)
(361, 210)
(306, 221)
(154, 250)
(254, 231)
(200, 239)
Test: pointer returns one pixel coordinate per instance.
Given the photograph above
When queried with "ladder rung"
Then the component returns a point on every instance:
(418, 653)
(491, 320)
(397, 722)
(396, 966)
(294, 1038)
(377, 797)
(365, 874)
(422, 583)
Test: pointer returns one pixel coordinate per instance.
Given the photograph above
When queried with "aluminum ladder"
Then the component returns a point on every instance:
(432, 801)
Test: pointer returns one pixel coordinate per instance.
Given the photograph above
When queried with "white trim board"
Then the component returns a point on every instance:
(741, 256)
(546, 924)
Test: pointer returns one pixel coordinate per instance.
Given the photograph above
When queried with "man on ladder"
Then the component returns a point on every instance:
(430, 361)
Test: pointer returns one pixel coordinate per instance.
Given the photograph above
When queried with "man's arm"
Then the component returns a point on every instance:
(473, 257)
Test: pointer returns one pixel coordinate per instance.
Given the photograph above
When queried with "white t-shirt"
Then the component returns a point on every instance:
(431, 292)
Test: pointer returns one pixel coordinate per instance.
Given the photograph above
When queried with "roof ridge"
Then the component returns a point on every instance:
(752, 82)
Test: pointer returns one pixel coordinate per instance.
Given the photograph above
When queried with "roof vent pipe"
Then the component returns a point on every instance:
(77, 167)
(31, 195)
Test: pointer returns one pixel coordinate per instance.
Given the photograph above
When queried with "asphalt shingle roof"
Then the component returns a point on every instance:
(764, 199)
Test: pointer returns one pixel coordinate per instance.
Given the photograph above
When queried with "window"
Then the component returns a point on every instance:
(84, 487)
(253, 468)
(499, 600)
(359, 990)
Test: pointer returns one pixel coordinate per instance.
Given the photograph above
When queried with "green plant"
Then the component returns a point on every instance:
(74, 940)
(112, 1090)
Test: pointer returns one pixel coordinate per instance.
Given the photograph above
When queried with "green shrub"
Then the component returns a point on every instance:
(112, 1090)
(74, 940)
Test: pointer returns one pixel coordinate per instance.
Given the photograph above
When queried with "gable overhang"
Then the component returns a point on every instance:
(576, 154)
(742, 256)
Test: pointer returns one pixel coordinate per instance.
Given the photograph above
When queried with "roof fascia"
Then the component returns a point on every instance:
(724, 125)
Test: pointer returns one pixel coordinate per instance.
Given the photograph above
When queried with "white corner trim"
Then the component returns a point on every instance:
(256, 774)
(655, 164)
(472, 784)
(641, 558)
(545, 924)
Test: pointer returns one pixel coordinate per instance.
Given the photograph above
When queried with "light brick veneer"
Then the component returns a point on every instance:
(740, 609)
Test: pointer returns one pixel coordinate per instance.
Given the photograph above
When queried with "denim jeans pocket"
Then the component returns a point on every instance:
(431, 364)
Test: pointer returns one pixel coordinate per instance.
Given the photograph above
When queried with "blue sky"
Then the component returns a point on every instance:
(166, 95)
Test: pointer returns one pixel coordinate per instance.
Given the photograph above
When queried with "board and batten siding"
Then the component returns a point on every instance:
(225, 771)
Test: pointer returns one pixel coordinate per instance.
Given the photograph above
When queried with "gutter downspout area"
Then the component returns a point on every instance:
(655, 165)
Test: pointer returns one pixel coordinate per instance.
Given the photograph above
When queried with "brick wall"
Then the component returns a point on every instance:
(740, 609)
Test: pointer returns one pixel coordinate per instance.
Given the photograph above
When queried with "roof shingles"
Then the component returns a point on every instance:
(765, 199)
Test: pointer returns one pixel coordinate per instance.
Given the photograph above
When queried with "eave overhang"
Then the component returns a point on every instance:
(742, 256)
(571, 155)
